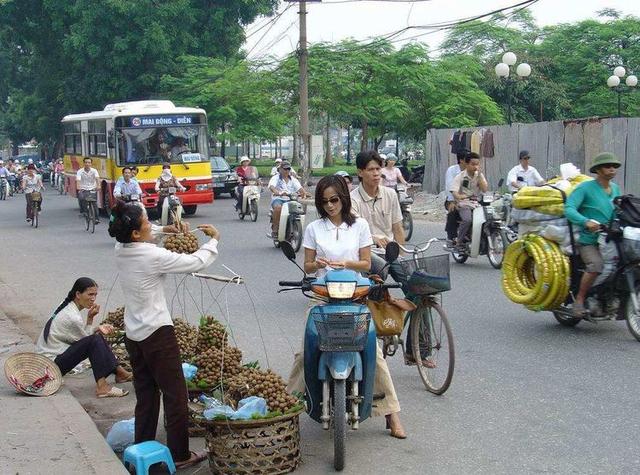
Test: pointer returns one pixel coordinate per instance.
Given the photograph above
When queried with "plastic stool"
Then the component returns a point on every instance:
(145, 454)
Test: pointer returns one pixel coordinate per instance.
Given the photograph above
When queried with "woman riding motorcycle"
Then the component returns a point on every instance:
(165, 181)
(339, 240)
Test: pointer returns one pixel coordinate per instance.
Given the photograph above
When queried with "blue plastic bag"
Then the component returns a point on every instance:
(121, 435)
(189, 371)
(249, 406)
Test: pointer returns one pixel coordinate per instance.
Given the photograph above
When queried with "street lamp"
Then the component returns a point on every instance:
(614, 83)
(503, 69)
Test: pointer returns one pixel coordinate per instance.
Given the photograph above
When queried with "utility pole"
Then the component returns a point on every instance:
(303, 56)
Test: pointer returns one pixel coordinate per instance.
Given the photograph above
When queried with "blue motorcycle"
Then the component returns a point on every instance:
(339, 348)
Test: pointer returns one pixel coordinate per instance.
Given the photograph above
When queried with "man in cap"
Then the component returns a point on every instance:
(274, 169)
(282, 186)
(590, 206)
(523, 174)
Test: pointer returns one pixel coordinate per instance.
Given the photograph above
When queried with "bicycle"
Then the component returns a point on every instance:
(36, 202)
(429, 336)
(4, 185)
(90, 209)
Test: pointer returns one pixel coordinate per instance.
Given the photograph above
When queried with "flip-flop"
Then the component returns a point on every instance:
(127, 380)
(114, 392)
(194, 460)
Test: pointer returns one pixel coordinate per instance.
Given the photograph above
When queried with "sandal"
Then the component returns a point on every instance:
(194, 460)
(114, 392)
(426, 362)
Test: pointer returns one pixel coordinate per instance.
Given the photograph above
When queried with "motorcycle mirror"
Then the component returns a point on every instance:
(392, 251)
(288, 251)
(501, 182)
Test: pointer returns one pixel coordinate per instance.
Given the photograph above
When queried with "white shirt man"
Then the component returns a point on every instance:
(452, 172)
(87, 178)
(523, 174)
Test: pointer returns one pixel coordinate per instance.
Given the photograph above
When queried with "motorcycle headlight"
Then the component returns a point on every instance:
(341, 290)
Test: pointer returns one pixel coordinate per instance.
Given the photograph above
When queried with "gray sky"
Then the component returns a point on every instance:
(363, 19)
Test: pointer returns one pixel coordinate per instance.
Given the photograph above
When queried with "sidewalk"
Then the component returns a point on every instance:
(48, 435)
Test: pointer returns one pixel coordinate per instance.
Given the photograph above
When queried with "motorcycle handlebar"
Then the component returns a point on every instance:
(391, 286)
(290, 283)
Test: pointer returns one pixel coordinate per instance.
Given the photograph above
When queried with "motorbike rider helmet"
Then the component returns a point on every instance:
(605, 158)
(383, 157)
(278, 160)
(344, 175)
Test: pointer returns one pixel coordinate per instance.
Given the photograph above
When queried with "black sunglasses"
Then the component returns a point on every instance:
(333, 200)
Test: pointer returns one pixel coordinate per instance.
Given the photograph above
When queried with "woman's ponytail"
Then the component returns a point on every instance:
(125, 218)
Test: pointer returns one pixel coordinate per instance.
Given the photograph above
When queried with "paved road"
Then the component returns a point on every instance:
(527, 396)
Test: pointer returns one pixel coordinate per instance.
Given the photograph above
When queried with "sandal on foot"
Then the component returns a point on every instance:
(426, 362)
(194, 460)
(125, 380)
(114, 392)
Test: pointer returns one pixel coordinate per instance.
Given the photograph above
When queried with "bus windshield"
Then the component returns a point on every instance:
(153, 145)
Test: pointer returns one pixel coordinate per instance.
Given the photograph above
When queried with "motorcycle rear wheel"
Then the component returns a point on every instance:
(253, 210)
(339, 423)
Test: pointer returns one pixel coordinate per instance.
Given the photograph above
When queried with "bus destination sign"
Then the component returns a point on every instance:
(160, 120)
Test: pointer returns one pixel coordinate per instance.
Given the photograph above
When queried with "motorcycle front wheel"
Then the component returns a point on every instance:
(253, 210)
(496, 247)
(407, 224)
(339, 423)
(633, 318)
(295, 235)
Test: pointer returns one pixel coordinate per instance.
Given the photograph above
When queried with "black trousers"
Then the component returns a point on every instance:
(157, 368)
(94, 347)
(451, 226)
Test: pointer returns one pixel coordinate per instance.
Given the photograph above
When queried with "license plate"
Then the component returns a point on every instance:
(218, 185)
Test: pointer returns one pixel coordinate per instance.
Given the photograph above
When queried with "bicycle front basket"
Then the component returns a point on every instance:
(342, 331)
(36, 196)
(91, 195)
(427, 274)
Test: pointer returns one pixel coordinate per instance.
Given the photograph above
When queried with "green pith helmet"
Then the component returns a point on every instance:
(604, 158)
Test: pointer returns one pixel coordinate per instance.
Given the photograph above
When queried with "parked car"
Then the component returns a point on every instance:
(223, 178)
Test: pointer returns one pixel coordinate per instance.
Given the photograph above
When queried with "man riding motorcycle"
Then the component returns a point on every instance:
(282, 186)
(451, 226)
(466, 189)
(590, 206)
(127, 185)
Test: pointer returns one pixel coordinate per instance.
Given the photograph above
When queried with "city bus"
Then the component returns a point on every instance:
(144, 134)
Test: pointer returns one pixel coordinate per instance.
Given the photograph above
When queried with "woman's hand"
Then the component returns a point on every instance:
(93, 311)
(210, 231)
(338, 264)
(321, 262)
(105, 329)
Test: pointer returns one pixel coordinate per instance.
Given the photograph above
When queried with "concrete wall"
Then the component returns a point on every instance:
(550, 144)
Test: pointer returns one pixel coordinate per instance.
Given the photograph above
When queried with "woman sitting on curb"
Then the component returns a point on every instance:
(67, 339)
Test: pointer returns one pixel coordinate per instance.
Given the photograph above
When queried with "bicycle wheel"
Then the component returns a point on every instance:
(93, 213)
(36, 213)
(432, 340)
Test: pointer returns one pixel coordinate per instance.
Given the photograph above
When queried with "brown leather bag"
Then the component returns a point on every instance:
(388, 314)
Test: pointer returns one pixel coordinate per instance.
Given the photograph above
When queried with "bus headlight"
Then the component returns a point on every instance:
(341, 290)
(203, 187)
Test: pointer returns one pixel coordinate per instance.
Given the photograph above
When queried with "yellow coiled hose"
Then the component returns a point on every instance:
(535, 273)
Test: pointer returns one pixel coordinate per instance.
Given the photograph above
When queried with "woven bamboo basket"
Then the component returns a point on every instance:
(256, 447)
(25, 368)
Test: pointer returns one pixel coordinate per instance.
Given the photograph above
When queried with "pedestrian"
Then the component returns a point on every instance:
(150, 336)
(68, 339)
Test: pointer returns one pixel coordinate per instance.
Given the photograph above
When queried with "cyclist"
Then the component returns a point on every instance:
(58, 170)
(4, 172)
(87, 179)
(126, 185)
(31, 182)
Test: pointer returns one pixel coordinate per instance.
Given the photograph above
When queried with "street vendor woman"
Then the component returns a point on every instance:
(150, 337)
(590, 206)
(68, 339)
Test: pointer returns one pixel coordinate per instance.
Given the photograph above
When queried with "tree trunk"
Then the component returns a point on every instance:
(377, 141)
(223, 145)
(349, 144)
(328, 156)
(365, 135)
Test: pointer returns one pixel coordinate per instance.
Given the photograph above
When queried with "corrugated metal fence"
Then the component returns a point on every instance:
(549, 144)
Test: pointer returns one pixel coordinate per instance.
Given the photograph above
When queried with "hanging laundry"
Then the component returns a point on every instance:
(456, 145)
(476, 137)
(486, 147)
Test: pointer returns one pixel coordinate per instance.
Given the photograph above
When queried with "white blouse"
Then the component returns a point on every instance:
(143, 268)
(337, 243)
(67, 328)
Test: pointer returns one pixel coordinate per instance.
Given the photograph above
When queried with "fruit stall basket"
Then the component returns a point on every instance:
(257, 446)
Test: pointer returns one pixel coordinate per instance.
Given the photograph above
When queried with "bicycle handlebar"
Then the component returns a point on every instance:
(417, 249)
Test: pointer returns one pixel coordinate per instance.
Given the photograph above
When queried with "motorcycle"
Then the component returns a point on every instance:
(487, 235)
(405, 205)
(339, 349)
(250, 196)
(617, 295)
(291, 223)
(503, 204)
(171, 208)
(413, 174)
